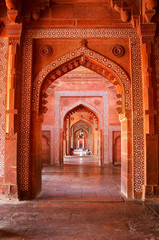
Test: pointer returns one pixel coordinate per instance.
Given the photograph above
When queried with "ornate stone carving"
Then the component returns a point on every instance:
(118, 51)
(36, 14)
(46, 51)
(125, 12)
(84, 43)
(11, 136)
(11, 4)
(96, 101)
(65, 102)
(151, 4)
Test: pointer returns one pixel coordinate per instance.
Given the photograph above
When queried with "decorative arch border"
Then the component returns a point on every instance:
(84, 51)
(85, 104)
(26, 82)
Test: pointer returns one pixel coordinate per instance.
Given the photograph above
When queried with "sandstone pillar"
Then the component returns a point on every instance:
(101, 141)
(35, 154)
(126, 155)
(9, 188)
(151, 182)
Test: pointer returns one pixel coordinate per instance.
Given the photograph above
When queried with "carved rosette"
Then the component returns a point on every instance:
(96, 101)
(45, 51)
(118, 50)
(65, 102)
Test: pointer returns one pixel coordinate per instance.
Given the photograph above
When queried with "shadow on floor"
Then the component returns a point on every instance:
(9, 235)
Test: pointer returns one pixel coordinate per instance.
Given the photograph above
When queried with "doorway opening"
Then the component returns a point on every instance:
(121, 85)
(81, 137)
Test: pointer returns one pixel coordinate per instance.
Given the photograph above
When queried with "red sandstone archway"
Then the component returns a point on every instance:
(90, 64)
(67, 129)
(88, 124)
(124, 109)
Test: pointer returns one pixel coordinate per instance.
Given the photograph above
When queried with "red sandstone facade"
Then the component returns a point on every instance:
(67, 64)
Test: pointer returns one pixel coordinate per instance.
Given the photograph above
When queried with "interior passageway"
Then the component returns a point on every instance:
(81, 179)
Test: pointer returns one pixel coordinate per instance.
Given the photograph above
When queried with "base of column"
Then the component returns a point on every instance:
(8, 192)
(150, 193)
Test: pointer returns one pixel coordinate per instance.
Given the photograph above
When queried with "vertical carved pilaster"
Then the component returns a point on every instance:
(10, 165)
(14, 32)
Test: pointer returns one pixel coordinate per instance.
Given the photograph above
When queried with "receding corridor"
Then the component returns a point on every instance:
(81, 179)
(80, 201)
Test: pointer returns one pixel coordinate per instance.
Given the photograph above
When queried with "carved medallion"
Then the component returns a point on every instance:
(46, 51)
(65, 102)
(96, 102)
(118, 51)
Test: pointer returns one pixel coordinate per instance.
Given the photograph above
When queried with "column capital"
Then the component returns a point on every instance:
(147, 32)
(14, 33)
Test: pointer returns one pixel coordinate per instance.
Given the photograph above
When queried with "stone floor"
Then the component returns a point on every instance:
(80, 202)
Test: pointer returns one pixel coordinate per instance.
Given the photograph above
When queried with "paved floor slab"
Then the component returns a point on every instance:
(79, 203)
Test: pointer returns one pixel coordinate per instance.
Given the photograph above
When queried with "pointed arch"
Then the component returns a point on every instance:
(81, 102)
(81, 120)
(87, 58)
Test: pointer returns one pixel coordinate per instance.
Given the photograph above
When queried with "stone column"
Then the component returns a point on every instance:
(92, 141)
(35, 154)
(151, 182)
(101, 140)
(72, 139)
(67, 136)
(126, 155)
(10, 166)
(63, 146)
